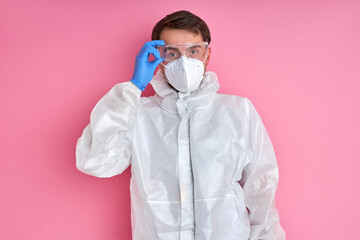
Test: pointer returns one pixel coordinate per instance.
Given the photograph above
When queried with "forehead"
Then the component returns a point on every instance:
(179, 36)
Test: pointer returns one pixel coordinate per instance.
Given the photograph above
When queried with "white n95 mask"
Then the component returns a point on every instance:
(185, 74)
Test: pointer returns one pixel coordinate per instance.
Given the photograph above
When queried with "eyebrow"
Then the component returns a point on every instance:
(195, 46)
(172, 48)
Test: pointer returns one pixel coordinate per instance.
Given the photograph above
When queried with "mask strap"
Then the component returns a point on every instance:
(205, 58)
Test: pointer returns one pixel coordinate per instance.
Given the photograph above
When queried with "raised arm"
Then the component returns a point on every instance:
(104, 149)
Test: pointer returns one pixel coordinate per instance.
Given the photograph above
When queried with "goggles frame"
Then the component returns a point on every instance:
(188, 46)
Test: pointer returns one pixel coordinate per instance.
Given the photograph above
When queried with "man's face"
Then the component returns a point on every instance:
(179, 36)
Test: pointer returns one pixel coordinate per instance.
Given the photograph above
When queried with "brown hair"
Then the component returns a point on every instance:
(182, 20)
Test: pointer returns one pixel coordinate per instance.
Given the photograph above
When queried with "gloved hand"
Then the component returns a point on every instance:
(144, 69)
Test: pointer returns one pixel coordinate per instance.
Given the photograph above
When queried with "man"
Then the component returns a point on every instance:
(202, 164)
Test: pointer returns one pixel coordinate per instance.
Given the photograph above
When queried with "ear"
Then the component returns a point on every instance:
(208, 58)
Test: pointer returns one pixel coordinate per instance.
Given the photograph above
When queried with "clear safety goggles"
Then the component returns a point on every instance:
(191, 50)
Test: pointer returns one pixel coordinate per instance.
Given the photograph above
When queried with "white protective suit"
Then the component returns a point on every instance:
(202, 164)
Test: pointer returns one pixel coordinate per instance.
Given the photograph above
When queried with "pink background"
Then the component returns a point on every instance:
(298, 61)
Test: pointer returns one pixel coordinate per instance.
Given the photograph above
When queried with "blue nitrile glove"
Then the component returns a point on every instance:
(144, 69)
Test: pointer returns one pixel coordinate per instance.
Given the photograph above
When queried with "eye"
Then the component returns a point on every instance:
(172, 55)
(194, 52)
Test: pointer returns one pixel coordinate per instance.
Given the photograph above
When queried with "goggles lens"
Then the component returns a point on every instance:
(191, 50)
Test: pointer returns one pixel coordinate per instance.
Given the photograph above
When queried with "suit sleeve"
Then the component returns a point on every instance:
(260, 179)
(105, 146)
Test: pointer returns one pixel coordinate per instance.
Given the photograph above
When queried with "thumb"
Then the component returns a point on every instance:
(156, 62)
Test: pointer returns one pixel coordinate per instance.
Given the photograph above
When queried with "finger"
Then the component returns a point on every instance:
(155, 43)
(148, 46)
(157, 61)
(153, 51)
